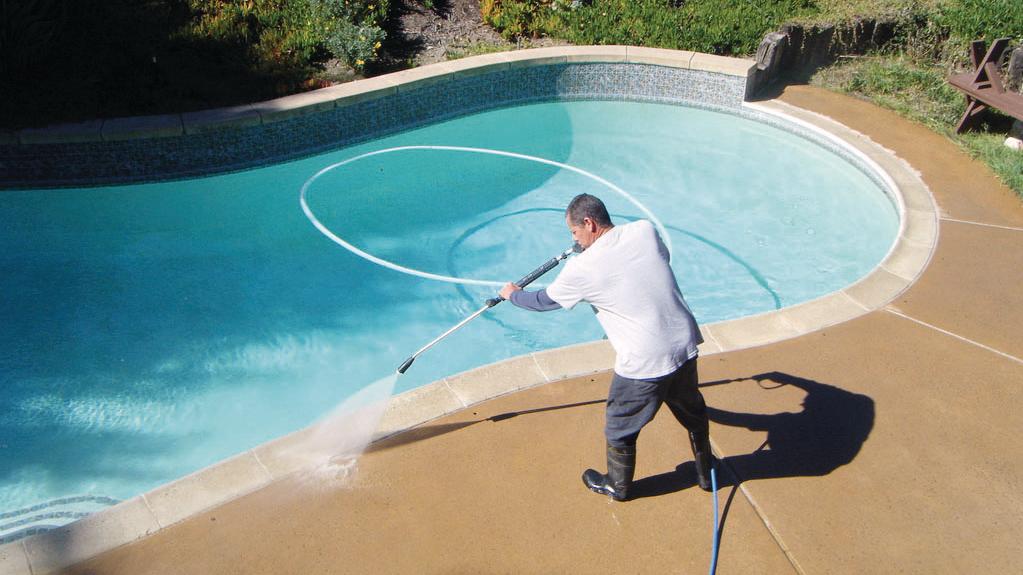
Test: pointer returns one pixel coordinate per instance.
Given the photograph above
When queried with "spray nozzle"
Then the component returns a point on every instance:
(574, 249)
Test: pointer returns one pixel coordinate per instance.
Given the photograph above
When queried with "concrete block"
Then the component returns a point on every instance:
(575, 360)
(361, 90)
(286, 455)
(908, 260)
(877, 289)
(660, 57)
(9, 138)
(138, 127)
(123, 523)
(824, 311)
(90, 131)
(207, 488)
(595, 53)
(13, 560)
(496, 379)
(417, 406)
(421, 77)
(220, 118)
(709, 345)
(295, 105)
(476, 65)
(751, 331)
(534, 57)
(723, 65)
(921, 227)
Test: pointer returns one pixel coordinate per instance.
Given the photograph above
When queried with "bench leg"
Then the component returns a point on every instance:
(974, 108)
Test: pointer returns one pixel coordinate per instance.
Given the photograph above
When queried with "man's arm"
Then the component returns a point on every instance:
(531, 300)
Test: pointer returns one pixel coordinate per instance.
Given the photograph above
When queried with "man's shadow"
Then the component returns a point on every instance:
(827, 434)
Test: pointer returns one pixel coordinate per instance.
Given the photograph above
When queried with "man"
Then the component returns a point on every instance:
(624, 274)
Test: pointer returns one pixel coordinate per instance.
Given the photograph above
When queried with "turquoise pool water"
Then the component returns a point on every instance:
(151, 330)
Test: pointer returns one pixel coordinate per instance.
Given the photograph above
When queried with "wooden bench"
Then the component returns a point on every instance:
(983, 87)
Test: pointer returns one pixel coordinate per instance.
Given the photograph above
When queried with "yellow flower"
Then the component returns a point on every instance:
(359, 62)
(376, 46)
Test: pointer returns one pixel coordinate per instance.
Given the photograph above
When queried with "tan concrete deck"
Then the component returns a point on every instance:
(890, 444)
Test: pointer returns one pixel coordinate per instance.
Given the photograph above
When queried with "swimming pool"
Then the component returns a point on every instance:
(154, 329)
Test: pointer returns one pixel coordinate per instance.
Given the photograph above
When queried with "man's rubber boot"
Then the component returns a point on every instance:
(621, 468)
(700, 442)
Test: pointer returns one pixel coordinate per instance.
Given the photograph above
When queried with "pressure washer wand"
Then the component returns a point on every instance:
(528, 279)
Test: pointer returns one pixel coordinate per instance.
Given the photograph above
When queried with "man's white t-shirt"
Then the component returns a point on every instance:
(625, 275)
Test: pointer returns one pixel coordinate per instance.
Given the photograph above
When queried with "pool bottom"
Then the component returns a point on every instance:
(256, 467)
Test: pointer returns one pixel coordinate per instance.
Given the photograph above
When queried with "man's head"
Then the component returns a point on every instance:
(587, 219)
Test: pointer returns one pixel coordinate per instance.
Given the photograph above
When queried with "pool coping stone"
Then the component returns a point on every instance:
(144, 127)
(244, 473)
(125, 522)
(70, 133)
(221, 118)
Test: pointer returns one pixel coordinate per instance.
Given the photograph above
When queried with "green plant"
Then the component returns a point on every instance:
(981, 19)
(1007, 164)
(295, 32)
(918, 90)
(517, 18)
(352, 28)
(736, 26)
(717, 26)
(28, 30)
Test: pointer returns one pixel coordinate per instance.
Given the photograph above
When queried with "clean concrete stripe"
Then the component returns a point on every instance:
(260, 462)
(982, 224)
(955, 335)
(857, 302)
(447, 384)
(546, 378)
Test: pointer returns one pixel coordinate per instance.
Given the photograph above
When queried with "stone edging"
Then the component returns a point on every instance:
(145, 514)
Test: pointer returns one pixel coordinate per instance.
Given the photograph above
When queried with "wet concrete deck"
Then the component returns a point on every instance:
(883, 444)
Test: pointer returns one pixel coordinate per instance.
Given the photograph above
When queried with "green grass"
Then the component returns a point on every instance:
(1007, 164)
(918, 90)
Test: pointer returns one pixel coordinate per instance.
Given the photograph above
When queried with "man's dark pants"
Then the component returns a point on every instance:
(632, 403)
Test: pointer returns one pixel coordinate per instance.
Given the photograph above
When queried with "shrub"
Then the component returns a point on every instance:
(519, 18)
(717, 26)
(295, 32)
(27, 33)
(352, 28)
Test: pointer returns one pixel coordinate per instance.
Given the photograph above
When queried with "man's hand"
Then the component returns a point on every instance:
(507, 290)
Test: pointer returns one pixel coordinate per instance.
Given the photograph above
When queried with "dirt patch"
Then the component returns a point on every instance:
(420, 33)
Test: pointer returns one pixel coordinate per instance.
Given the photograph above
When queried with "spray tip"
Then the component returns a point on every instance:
(405, 366)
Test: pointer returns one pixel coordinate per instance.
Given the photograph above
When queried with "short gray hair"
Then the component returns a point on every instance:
(586, 206)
